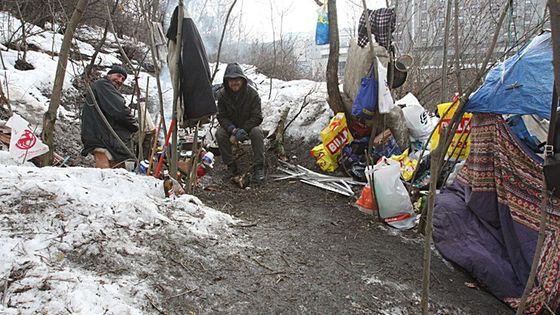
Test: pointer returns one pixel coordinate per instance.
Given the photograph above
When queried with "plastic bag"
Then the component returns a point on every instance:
(407, 165)
(336, 136)
(392, 197)
(322, 30)
(325, 161)
(385, 100)
(417, 121)
(365, 102)
(463, 143)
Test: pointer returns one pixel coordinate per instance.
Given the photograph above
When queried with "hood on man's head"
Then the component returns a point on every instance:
(118, 69)
(233, 70)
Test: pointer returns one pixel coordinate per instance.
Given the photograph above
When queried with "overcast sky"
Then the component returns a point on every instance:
(300, 15)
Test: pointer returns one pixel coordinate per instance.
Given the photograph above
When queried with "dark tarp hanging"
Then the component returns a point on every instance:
(194, 72)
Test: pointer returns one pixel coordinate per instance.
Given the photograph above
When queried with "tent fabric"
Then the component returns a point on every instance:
(521, 84)
(487, 221)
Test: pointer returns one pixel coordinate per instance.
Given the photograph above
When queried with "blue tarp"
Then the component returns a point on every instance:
(520, 85)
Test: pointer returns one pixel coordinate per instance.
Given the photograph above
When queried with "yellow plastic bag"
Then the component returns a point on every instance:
(463, 144)
(324, 160)
(407, 165)
(336, 136)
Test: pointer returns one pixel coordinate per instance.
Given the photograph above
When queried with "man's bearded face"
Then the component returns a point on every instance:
(235, 84)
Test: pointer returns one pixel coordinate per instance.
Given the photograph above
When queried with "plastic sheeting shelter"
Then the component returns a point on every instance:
(520, 85)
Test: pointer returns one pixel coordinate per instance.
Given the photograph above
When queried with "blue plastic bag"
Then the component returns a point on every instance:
(322, 31)
(365, 102)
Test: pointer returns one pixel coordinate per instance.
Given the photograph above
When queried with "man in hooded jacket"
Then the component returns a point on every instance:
(239, 115)
(97, 139)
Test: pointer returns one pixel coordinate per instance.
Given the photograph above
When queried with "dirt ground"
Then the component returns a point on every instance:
(317, 254)
(311, 252)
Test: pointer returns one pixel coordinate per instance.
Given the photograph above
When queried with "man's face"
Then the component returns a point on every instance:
(235, 84)
(117, 79)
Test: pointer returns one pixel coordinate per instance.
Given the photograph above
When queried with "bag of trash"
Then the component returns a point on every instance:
(323, 160)
(407, 165)
(365, 102)
(336, 136)
(385, 100)
(322, 30)
(461, 139)
(417, 121)
(395, 207)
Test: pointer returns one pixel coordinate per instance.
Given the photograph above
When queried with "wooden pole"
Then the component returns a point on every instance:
(443, 95)
(176, 90)
(155, 62)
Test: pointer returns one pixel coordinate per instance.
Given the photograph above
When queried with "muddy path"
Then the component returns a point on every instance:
(314, 253)
(299, 250)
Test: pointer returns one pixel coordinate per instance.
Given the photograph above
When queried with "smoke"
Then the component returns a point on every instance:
(203, 20)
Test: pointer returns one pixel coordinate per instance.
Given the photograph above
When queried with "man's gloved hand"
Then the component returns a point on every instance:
(241, 135)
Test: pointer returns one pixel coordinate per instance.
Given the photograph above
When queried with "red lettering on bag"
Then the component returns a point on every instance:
(338, 142)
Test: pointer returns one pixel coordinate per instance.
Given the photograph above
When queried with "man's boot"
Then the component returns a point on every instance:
(258, 175)
(232, 171)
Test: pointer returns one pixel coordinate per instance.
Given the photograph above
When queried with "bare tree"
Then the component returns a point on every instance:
(222, 39)
(49, 118)
(335, 99)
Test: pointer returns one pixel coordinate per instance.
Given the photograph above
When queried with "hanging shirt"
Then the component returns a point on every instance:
(382, 22)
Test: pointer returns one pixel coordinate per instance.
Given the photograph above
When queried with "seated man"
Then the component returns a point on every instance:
(96, 136)
(239, 115)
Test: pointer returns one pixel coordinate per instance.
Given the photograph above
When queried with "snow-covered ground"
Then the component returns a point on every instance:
(66, 232)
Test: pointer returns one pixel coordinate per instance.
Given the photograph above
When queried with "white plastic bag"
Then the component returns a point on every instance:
(418, 122)
(24, 144)
(392, 197)
(384, 98)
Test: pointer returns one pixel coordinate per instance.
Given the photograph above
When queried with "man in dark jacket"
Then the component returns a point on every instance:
(239, 115)
(97, 138)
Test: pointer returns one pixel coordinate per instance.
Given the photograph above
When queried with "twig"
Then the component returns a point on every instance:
(246, 225)
(154, 305)
(180, 294)
(304, 104)
(180, 263)
(5, 290)
(262, 265)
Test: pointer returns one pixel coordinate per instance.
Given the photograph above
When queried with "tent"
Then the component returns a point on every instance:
(487, 221)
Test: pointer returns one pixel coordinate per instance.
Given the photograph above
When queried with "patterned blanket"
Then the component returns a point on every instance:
(488, 220)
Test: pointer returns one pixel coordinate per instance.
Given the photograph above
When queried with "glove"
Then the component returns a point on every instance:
(241, 135)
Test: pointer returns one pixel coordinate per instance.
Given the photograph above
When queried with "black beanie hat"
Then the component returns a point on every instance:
(118, 69)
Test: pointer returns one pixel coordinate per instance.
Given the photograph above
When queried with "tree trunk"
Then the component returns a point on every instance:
(456, 44)
(49, 118)
(335, 100)
(443, 95)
